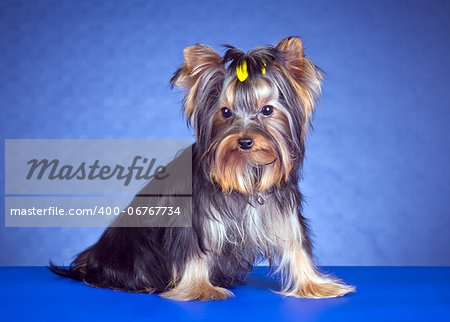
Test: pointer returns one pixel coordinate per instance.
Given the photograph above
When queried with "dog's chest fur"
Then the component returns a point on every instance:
(239, 234)
(255, 228)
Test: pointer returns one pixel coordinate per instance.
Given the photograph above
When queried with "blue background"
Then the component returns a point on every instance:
(376, 175)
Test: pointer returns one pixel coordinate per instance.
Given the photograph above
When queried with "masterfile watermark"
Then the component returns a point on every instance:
(54, 170)
(97, 183)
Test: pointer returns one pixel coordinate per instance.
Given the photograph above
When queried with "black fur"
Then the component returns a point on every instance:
(145, 259)
(137, 259)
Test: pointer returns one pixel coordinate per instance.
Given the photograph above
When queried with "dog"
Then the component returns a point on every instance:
(251, 113)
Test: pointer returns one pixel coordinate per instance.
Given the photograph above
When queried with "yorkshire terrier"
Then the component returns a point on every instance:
(251, 113)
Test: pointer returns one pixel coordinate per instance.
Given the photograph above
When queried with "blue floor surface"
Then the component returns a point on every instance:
(383, 294)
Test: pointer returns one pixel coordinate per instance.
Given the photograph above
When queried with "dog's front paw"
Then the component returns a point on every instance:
(199, 293)
(324, 288)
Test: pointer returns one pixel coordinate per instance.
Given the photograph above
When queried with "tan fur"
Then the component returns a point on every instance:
(227, 98)
(262, 226)
(304, 76)
(199, 60)
(194, 284)
(230, 166)
(300, 277)
(274, 233)
(303, 280)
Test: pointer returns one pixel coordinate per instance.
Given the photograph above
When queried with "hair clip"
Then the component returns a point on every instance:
(241, 71)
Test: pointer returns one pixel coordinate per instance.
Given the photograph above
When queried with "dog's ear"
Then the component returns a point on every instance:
(305, 76)
(202, 67)
(197, 59)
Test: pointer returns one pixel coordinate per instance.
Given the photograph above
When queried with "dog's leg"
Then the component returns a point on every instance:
(300, 277)
(194, 284)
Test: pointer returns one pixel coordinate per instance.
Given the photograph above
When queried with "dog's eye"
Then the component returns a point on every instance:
(226, 113)
(267, 110)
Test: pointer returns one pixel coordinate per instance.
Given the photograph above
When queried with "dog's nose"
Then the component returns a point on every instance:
(245, 143)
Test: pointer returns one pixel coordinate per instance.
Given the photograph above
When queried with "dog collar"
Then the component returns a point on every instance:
(260, 199)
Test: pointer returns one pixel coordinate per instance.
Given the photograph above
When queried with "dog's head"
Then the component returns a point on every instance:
(250, 111)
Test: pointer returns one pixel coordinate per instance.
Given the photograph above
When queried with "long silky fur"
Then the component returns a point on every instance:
(140, 259)
(234, 229)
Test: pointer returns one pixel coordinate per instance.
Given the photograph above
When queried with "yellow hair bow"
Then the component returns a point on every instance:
(241, 71)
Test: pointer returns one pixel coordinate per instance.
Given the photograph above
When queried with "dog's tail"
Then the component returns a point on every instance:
(76, 270)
